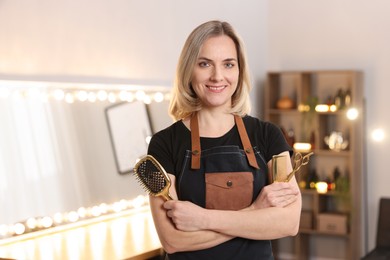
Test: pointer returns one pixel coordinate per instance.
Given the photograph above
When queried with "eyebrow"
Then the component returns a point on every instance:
(207, 59)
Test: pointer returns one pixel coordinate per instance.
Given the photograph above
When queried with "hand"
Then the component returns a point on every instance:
(277, 194)
(186, 216)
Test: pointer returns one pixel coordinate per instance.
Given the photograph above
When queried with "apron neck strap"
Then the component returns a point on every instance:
(195, 142)
(246, 143)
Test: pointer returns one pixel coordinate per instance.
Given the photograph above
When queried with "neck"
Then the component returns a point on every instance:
(214, 124)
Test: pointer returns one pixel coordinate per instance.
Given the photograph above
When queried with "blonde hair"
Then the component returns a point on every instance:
(184, 100)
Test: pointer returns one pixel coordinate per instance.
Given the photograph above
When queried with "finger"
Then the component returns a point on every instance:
(279, 186)
(285, 186)
(287, 200)
(169, 204)
(282, 192)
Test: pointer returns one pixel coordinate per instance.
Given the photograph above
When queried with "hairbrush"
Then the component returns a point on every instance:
(153, 177)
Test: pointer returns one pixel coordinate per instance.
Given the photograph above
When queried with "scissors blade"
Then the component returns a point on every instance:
(298, 163)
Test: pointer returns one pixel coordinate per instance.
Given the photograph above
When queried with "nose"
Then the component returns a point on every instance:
(216, 75)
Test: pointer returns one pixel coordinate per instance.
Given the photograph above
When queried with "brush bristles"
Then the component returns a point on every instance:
(150, 177)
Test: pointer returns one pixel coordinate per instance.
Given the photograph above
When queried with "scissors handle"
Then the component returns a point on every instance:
(302, 161)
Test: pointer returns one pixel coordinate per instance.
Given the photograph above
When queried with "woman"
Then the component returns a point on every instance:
(218, 158)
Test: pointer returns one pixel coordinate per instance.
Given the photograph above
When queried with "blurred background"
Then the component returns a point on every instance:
(134, 45)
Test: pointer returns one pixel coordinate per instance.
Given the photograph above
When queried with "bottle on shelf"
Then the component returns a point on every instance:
(347, 98)
(312, 179)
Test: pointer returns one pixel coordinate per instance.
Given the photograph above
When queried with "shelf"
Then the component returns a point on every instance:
(296, 111)
(326, 152)
(313, 192)
(342, 88)
(322, 152)
(322, 233)
(284, 111)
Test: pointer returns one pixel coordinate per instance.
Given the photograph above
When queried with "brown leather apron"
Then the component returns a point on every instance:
(225, 190)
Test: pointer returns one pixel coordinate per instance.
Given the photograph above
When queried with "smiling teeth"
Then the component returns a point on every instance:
(216, 88)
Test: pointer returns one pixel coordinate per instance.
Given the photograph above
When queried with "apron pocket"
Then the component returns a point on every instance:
(229, 190)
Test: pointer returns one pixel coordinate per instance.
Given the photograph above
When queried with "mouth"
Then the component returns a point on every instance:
(216, 88)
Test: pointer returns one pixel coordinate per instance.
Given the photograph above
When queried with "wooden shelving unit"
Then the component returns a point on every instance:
(336, 216)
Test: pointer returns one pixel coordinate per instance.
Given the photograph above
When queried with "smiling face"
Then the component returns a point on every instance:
(216, 72)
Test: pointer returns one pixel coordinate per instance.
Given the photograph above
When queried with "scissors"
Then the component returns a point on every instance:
(299, 161)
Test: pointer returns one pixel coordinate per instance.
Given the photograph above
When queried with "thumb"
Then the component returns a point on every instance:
(169, 204)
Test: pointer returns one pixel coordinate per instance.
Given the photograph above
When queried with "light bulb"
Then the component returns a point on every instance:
(140, 95)
(158, 97)
(19, 228)
(378, 135)
(322, 187)
(31, 223)
(352, 113)
(91, 97)
(82, 95)
(111, 97)
(59, 94)
(46, 222)
(102, 95)
(69, 98)
(73, 216)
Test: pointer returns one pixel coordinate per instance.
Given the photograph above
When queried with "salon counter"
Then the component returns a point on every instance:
(125, 235)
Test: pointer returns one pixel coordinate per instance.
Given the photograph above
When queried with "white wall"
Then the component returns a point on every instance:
(128, 40)
(346, 34)
(120, 41)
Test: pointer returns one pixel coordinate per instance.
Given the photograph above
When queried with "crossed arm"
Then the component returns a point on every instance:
(184, 226)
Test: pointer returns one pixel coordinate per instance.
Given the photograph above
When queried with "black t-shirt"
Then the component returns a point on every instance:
(169, 147)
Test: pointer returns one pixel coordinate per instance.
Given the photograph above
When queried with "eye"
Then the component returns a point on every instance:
(204, 64)
(229, 65)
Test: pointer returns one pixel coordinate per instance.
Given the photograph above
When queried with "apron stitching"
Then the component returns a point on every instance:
(257, 152)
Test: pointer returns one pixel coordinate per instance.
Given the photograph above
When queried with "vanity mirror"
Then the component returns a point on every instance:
(56, 153)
